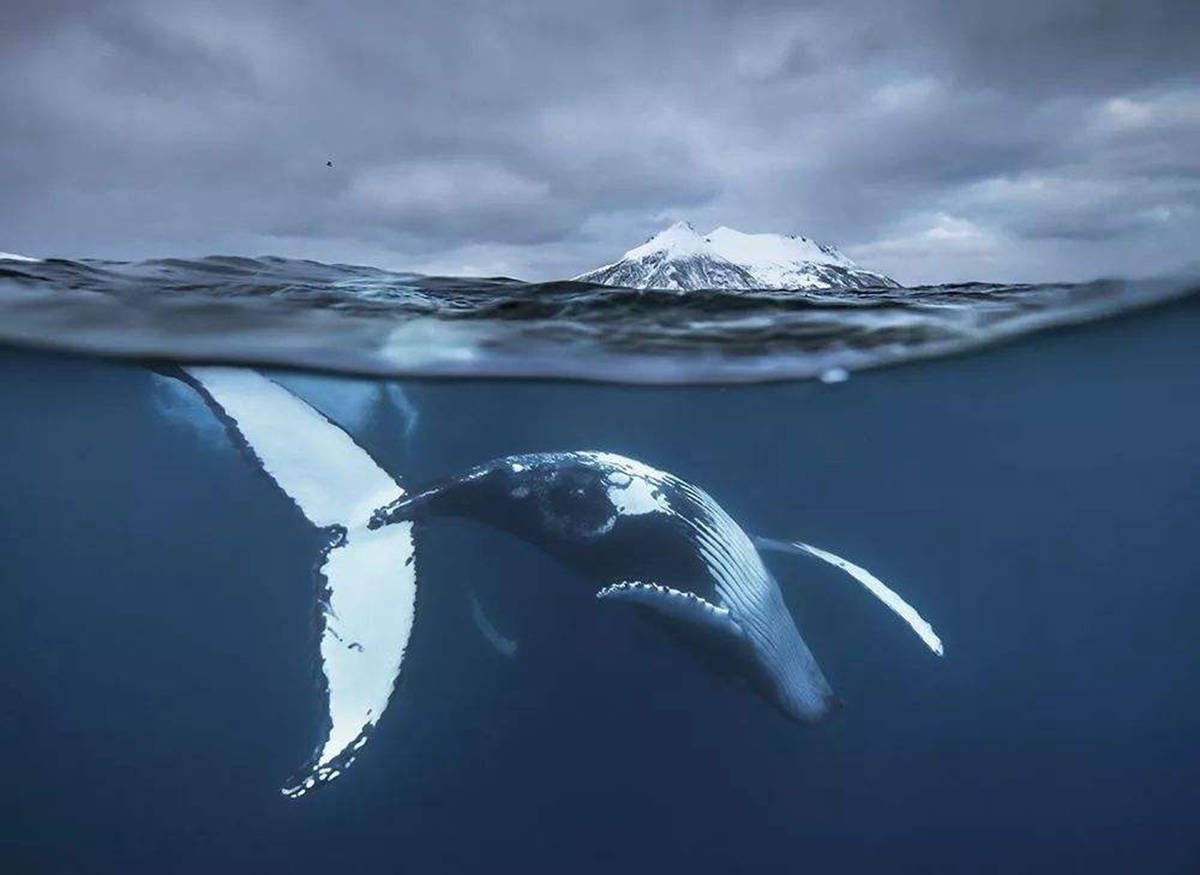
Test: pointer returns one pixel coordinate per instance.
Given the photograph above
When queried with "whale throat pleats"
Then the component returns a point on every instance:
(369, 575)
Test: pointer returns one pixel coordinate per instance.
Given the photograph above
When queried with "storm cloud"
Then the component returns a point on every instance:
(934, 141)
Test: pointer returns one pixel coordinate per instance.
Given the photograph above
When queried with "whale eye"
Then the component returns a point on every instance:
(577, 505)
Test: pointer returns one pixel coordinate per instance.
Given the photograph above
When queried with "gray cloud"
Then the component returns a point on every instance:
(933, 140)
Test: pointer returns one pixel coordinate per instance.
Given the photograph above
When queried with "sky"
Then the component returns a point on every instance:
(933, 141)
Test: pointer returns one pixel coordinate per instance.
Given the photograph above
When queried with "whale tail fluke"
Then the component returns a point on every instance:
(367, 577)
(873, 584)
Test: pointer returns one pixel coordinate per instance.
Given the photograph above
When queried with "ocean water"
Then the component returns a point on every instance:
(1036, 500)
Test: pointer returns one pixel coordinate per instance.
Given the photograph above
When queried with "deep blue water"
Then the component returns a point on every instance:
(1037, 501)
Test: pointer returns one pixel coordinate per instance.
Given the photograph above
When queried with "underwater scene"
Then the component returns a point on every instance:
(314, 567)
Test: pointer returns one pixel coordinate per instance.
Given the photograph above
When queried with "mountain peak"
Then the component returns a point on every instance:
(679, 239)
(679, 258)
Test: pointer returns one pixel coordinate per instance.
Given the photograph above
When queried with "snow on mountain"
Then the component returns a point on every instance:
(680, 240)
(679, 258)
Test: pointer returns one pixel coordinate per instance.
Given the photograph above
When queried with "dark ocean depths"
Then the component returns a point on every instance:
(1037, 501)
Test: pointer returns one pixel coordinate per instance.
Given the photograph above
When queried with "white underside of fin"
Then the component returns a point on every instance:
(678, 604)
(315, 463)
(877, 587)
(371, 575)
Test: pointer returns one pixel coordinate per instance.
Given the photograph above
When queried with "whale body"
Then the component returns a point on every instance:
(647, 538)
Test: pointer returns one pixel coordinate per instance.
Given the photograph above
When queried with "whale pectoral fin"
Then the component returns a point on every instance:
(873, 584)
(674, 604)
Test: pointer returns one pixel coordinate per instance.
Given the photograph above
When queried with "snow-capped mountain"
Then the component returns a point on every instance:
(681, 259)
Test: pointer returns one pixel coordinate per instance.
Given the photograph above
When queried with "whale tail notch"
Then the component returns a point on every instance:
(367, 577)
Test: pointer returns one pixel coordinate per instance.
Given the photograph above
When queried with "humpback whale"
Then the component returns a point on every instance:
(642, 537)
(636, 535)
